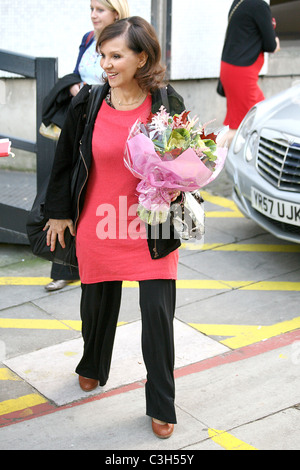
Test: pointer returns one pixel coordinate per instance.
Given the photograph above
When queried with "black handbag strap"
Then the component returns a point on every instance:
(95, 93)
(165, 98)
(231, 15)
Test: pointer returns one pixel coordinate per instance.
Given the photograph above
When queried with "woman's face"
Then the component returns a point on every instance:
(101, 16)
(119, 62)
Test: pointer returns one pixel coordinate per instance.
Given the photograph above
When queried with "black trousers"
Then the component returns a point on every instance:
(68, 273)
(100, 305)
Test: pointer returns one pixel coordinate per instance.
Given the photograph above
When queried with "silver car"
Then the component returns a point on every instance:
(264, 165)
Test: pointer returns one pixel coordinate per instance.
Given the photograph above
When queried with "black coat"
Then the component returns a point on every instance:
(74, 151)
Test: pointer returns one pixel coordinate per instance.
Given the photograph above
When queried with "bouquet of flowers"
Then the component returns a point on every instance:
(170, 154)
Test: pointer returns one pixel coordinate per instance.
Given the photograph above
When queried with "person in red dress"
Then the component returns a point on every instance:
(250, 33)
(112, 244)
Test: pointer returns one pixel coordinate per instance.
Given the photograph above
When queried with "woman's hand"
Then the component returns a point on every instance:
(56, 229)
(74, 89)
(277, 45)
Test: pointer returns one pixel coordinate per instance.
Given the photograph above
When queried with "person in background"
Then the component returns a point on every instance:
(250, 33)
(131, 58)
(87, 70)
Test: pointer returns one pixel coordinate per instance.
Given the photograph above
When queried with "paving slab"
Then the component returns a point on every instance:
(233, 394)
(252, 398)
(63, 305)
(279, 431)
(261, 267)
(250, 307)
(51, 370)
(237, 398)
(114, 423)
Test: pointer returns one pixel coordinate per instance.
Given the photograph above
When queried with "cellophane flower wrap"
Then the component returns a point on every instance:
(169, 154)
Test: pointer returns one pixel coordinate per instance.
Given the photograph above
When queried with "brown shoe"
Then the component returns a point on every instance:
(87, 385)
(163, 431)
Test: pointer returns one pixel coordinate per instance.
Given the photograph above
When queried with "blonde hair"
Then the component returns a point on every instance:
(120, 6)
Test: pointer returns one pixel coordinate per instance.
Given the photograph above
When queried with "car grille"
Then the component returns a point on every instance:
(281, 226)
(279, 163)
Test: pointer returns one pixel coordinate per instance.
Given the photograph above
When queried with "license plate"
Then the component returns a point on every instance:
(276, 209)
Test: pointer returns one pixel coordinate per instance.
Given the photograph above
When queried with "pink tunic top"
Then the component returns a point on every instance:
(111, 239)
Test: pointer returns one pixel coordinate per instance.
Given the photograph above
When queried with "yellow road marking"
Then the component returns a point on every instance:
(238, 335)
(222, 215)
(27, 281)
(30, 324)
(21, 403)
(235, 247)
(6, 374)
(228, 441)
(242, 285)
(201, 284)
(270, 286)
(222, 202)
(244, 335)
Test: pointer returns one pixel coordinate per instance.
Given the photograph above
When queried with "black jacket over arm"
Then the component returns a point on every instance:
(56, 103)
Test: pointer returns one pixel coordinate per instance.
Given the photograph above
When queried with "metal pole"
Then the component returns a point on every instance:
(161, 18)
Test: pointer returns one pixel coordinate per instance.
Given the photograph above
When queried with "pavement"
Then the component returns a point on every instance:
(237, 336)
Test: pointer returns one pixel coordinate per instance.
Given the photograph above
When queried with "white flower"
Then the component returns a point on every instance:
(160, 121)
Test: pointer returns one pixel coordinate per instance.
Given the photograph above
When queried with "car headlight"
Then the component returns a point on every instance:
(244, 130)
(252, 145)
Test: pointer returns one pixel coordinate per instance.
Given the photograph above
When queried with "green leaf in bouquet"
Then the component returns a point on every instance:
(197, 142)
(179, 138)
(161, 142)
(212, 146)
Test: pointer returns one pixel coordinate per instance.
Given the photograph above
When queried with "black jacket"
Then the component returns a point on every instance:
(73, 160)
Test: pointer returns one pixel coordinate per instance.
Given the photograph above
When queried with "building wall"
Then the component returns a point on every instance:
(51, 28)
(55, 29)
(197, 38)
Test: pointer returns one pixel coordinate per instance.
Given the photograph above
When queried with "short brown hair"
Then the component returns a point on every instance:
(141, 37)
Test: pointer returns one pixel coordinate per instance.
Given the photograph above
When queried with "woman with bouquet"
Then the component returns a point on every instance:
(110, 247)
